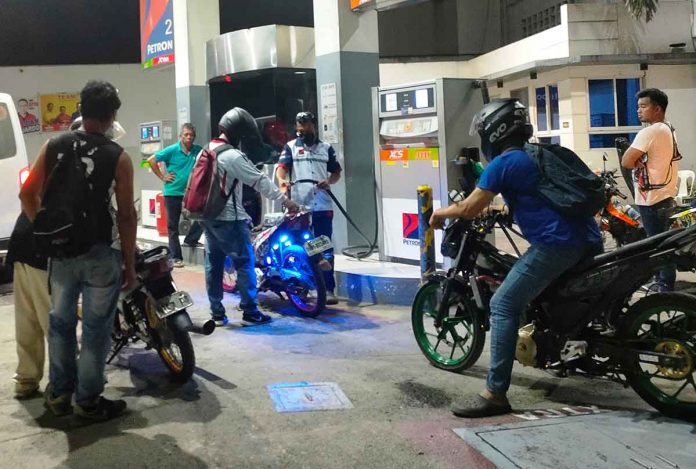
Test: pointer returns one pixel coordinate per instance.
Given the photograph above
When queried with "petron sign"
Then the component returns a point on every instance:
(156, 33)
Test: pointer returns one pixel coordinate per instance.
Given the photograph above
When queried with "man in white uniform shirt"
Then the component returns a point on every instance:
(307, 157)
(653, 157)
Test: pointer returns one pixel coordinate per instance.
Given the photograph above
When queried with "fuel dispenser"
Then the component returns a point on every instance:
(419, 129)
(154, 136)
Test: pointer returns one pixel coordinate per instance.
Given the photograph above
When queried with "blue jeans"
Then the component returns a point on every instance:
(322, 224)
(533, 272)
(655, 220)
(97, 276)
(229, 238)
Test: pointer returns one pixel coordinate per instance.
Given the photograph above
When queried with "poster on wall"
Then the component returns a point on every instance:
(58, 110)
(329, 113)
(29, 114)
(156, 33)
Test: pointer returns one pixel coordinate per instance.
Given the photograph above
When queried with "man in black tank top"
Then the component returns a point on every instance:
(97, 274)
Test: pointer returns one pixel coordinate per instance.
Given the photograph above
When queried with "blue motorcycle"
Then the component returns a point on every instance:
(289, 261)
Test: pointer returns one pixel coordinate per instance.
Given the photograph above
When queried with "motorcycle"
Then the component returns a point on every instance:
(586, 323)
(154, 312)
(289, 261)
(621, 221)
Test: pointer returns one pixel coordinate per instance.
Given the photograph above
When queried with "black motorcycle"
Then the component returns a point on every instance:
(154, 312)
(586, 323)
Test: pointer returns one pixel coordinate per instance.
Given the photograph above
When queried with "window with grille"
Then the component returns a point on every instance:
(542, 20)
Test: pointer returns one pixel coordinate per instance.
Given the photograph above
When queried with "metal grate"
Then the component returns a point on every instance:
(542, 20)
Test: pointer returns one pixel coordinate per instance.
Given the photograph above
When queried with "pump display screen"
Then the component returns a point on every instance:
(422, 99)
(150, 132)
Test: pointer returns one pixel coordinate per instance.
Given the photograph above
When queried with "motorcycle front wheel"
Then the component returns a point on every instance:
(663, 325)
(455, 343)
(176, 351)
(305, 289)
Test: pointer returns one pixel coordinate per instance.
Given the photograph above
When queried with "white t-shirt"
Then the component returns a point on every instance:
(656, 142)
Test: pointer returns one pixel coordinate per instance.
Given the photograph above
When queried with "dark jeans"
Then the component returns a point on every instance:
(655, 220)
(229, 238)
(174, 203)
(322, 224)
(531, 274)
(97, 276)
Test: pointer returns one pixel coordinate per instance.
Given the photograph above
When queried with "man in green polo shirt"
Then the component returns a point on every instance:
(178, 160)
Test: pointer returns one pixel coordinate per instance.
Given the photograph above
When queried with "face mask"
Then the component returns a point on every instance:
(115, 132)
(308, 138)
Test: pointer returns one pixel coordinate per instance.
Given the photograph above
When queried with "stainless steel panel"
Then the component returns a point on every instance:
(268, 205)
(272, 46)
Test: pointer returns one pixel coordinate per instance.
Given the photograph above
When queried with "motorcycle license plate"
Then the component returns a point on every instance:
(318, 245)
(173, 304)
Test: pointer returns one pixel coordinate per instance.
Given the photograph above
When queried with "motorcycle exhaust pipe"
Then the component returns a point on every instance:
(183, 322)
(206, 327)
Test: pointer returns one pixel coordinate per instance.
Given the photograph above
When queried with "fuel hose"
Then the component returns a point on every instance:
(356, 252)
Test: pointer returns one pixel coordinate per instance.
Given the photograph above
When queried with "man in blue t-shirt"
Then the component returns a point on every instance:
(557, 242)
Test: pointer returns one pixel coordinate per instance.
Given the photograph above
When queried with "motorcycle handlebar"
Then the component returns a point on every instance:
(620, 194)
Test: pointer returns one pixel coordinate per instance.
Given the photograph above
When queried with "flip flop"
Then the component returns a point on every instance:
(478, 407)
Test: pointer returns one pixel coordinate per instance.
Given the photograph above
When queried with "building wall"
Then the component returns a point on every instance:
(146, 96)
(423, 29)
(678, 81)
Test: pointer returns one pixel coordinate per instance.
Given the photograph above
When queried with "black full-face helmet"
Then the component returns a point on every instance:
(239, 126)
(499, 122)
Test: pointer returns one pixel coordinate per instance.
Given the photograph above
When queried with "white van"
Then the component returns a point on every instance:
(13, 171)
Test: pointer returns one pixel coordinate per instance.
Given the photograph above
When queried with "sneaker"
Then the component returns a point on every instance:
(193, 245)
(220, 322)
(58, 406)
(255, 319)
(104, 409)
(331, 298)
(178, 263)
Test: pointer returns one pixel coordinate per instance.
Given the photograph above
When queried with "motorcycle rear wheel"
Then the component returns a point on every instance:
(664, 323)
(462, 333)
(307, 294)
(176, 351)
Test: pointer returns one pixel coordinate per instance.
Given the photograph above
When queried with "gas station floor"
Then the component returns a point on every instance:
(393, 407)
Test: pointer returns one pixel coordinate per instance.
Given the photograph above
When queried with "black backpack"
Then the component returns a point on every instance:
(64, 225)
(566, 183)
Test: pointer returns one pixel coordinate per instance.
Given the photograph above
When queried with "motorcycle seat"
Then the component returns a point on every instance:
(627, 250)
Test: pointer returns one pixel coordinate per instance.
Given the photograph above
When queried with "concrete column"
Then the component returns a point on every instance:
(195, 22)
(347, 50)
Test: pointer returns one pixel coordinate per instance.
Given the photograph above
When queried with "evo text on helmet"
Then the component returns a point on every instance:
(501, 124)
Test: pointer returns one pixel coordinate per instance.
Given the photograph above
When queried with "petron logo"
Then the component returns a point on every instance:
(410, 228)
